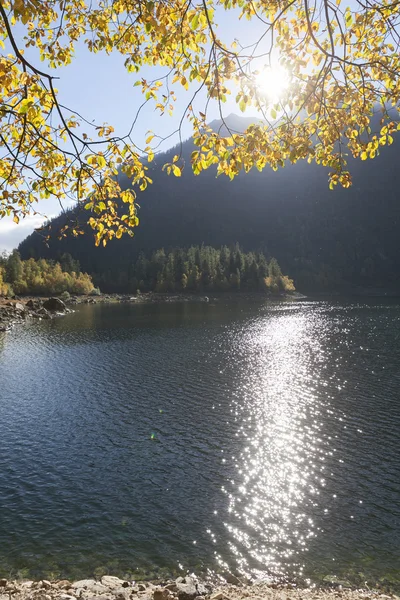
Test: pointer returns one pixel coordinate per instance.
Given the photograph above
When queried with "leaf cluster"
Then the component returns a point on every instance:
(341, 63)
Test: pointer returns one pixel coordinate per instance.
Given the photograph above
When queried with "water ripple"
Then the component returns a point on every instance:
(256, 437)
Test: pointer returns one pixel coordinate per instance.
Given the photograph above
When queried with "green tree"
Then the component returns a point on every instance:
(14, 268)
(68, 264)
(274, 269)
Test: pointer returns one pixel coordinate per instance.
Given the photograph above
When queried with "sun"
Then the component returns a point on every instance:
(272, 83)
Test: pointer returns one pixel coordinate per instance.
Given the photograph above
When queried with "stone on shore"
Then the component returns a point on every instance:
(55, 305)
(113, 588)
(84, 583)
(64, 584)
(112, 582)
(162, 594)
(34, 303)
(188, 588)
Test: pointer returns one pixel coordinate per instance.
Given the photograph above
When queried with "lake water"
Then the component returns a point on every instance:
(257, 437)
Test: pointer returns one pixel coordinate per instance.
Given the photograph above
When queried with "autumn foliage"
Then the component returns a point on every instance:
(341, 61)
(40, 277)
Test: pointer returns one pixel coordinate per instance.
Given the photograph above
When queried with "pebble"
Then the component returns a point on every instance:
(184, 588)
(84, 583)
(64, 584)
(111, 582)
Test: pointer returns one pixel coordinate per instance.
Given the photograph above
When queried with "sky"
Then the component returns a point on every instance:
(100, 89)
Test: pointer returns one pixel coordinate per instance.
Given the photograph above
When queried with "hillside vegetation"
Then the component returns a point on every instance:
(42, 277)
(325, 239)
(201, 268)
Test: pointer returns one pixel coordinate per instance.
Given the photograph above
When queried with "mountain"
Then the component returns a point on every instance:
(324, 239)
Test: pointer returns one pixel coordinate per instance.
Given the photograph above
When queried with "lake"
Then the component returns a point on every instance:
(250, 436)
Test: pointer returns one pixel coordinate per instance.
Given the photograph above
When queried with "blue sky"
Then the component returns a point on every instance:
(99, 87)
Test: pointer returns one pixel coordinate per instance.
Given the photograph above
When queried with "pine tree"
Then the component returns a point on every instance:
(14, 268)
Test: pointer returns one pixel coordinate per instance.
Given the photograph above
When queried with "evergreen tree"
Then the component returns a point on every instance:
(274, 269)
(68, 264)
(14, 268)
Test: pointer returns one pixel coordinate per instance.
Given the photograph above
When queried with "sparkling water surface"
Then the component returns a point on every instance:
(260, 438)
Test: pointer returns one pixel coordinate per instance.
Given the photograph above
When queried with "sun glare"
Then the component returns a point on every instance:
(272, 82)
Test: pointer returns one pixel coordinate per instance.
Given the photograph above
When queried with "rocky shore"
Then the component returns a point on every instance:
(13, 312)
(183, 588)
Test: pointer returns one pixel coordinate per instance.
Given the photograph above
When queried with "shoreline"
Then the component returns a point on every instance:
(188, 587)
(21, 310)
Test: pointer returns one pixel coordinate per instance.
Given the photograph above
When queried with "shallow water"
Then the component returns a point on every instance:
(263, 438)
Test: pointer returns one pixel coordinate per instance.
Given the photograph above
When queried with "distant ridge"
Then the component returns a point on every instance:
(326, 240)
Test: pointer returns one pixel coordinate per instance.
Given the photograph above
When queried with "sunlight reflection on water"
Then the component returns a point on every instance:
(279, 470)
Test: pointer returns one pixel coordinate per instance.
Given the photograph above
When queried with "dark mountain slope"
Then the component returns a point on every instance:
(323, 238)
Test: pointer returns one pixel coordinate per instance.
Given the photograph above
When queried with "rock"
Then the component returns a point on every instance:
(141, 587)
(55, 305)
(202, 590)
(43, 313)
(20, 307)
(218, 596)
(125, 584)
(84, 583)
(98, 588)
(111, 582)
(63, 584)
(108, 596)
(122, 593)
(159, 594)
(4, 597)
(34, 304)
(171, 586)
(3, 582)
(186, 588)
(45, 584)
(67, 597)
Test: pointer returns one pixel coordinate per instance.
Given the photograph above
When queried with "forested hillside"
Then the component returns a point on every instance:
(202, 268)
(324, 239)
